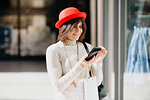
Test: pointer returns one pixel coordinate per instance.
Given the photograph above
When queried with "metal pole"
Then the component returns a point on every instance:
(105, 36)
(121, 31)
(119, 51)
(116, 69)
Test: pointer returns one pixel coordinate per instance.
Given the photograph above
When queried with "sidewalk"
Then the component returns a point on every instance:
(25, 86)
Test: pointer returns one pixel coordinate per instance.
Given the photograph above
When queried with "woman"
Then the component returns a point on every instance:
(66, 58)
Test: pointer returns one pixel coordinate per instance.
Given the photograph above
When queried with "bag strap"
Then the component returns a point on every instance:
(101, 90)
(87, 50)
(90, 72)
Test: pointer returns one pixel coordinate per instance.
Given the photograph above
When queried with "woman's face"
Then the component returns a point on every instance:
(75, 33)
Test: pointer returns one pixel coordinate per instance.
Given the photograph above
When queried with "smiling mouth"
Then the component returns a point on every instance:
(76, 34)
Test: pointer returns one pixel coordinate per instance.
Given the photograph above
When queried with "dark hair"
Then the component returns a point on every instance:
(69, 25)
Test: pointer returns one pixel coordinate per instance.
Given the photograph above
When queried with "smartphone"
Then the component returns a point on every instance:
(93, 53)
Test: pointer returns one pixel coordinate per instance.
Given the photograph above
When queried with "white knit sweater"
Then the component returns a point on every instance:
(63, 68)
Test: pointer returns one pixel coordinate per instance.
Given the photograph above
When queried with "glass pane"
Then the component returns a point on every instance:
(136, 75)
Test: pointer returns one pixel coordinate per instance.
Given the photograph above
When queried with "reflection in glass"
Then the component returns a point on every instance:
(137, 36)
(136, 76)
(137, 60)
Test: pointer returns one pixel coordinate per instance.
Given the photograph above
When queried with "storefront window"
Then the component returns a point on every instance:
(25, 28)
(136, 75)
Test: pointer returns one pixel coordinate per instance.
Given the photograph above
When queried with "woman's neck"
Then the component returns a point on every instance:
(71, 42)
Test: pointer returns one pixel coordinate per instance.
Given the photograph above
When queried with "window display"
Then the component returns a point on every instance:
(5, 40)
(136, 73)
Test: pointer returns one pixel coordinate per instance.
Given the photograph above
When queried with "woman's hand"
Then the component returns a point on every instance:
(100, 56)
(86, 63)
(96, 59)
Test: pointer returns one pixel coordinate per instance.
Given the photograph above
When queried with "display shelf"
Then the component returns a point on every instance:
(24, 11)
(22, 58)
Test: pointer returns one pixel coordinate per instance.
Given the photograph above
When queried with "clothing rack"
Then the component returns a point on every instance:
(139, 51)
(143, 20)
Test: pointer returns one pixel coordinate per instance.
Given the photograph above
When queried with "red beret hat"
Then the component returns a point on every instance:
(68, 14)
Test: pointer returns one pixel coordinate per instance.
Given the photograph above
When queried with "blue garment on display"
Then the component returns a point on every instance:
(137, 60)
(3, 36)
(5, 40)
(9, 31)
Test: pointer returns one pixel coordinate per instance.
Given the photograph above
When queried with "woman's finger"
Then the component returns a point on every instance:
(101, 53)
(90, 62)
(99, 60)
(83, 58)
(101, 47)
(100, 56)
